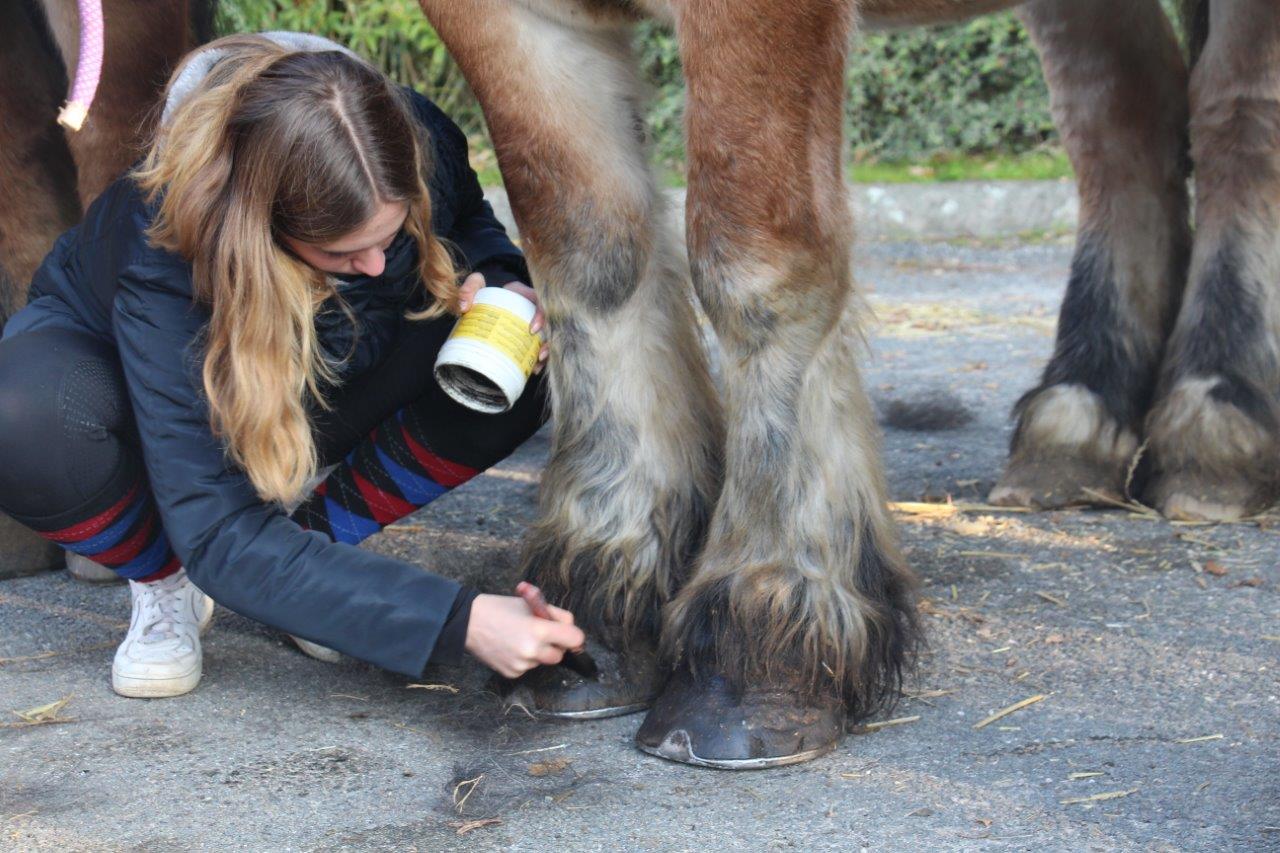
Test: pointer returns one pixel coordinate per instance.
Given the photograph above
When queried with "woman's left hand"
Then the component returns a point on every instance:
(467, 297)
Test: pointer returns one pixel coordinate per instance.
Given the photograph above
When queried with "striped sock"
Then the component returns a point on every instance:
(389, 474)
(126, 537)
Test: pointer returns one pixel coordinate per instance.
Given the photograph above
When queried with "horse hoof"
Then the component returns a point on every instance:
(1189, 508)
(1191, 498)
(626, 682)
(706, 724)
(1051, 483)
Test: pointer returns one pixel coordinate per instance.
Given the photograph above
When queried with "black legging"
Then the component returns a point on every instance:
(71, 466)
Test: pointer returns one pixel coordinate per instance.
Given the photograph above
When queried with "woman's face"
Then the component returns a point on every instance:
(359, 252)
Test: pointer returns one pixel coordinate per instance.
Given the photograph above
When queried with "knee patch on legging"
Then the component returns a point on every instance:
(69, 469)
(95, 415)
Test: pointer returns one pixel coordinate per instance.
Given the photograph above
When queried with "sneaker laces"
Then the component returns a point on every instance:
(161, 602)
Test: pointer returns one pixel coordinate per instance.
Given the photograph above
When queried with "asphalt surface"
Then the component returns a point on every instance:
(1154, 647)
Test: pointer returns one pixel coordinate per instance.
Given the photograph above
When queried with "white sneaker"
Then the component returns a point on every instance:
(308, 648)
(317, 651)
(160, 656)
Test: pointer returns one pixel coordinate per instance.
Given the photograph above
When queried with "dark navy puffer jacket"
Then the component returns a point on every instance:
(103, 278)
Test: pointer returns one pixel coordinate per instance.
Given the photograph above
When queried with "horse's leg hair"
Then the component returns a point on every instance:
(37, 179)
(1119, 96)
(801, 584)
(635, 461)
(1215, 432)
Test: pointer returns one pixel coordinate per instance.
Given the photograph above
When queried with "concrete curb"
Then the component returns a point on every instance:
(940, 211)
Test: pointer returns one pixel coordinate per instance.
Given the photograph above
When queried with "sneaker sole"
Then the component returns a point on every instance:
(155, 688)
(317, 651)
(207, 620)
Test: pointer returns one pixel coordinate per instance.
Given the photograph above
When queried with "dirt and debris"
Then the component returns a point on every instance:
(1160, 723)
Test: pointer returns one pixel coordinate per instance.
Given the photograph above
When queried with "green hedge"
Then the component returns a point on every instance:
(913, 94)
(971, 88)
(926, 93)
(394, 34)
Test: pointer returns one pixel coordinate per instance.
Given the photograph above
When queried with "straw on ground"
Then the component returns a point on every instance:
(1004, 712)
(41, 715)
(1097, 798)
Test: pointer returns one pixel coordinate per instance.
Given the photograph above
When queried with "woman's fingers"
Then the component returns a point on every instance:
(561, 615)
(504, 634)
(550, 655)
(467, 293)
(562, 635)
(539, 319)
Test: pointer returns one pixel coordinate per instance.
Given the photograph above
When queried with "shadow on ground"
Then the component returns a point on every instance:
(1153, 646)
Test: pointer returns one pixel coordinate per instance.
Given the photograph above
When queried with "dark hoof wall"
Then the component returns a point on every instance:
(706, 725)
(1188, 495)
(1056, 482)
(626, 683)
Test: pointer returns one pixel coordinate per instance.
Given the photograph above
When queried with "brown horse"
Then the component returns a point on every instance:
(747, 537)
(46, 177)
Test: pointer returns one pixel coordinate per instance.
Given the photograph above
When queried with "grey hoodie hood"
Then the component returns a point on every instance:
(205, 58)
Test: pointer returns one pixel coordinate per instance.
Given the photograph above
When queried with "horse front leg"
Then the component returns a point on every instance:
(1215, 432)
(800, 610)
(1118, 85)
(637, 436)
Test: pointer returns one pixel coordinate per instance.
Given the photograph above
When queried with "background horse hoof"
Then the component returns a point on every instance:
(1053, 482)
(1183, 497)
(707, 724)
(627, 682)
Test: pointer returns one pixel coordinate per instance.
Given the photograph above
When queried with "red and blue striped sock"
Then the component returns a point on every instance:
(126, 537)
(389, 474)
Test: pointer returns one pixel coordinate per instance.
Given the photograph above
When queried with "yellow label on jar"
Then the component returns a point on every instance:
(503, 331)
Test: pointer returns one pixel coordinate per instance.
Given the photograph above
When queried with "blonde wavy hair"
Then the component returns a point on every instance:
(277, 142)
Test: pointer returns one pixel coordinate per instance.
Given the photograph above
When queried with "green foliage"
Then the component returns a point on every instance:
(962, 93)
(913, 94)
(394, 34)
(1036, 165)
(659, 56)
(937, 94)
(968, 88)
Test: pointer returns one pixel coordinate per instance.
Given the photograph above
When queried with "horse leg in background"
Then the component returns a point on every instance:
(800, 610)
(144, 41)
(1118, 84)
(637, 438)
(37, 179)
(1215, 430)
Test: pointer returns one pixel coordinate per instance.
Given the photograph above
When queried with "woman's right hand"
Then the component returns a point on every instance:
(509, 639)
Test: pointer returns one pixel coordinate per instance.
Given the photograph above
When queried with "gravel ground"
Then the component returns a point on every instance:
(1153, 646)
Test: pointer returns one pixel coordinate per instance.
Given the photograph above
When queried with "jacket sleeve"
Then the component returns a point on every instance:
(247, 554)
(476, 232)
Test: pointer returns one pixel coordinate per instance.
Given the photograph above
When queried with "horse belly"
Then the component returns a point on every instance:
(874, 13)
(902, 13)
